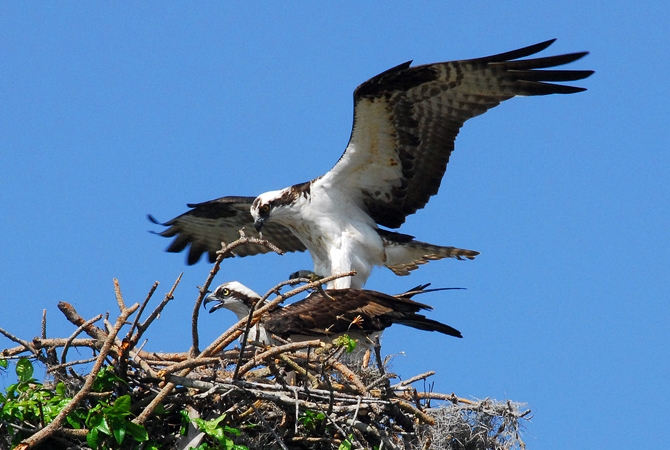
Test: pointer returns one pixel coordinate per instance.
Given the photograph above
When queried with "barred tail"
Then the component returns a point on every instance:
(403, 257)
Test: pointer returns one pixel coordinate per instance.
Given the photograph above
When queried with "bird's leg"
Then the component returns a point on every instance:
(300, 276)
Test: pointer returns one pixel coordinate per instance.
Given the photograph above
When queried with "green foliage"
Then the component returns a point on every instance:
(215, 432)
(345, 341)
(347, 444)
(28, 404)
(312, 421)
(113, 421)
(107, 380)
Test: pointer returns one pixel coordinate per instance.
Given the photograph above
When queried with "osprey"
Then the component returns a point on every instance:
(359, 313)
(405, 123)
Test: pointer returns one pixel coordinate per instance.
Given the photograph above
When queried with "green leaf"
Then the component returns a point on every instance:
(73, 421)
(119, 432)
(346, 444)
(120, 408)
(347, 342)
(92, 438)
(61, 390)
(4, 363)
(94, 420)
(138, 432)
(231, 430)
(103, 426)
(215, 422)
(24, 370)
(216, 433)
(106, 380)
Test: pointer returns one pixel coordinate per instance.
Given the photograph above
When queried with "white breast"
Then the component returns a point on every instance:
(338, 234)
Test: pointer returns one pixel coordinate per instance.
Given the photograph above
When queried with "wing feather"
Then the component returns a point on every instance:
(317, 315)
(406, 120)
(210, 223)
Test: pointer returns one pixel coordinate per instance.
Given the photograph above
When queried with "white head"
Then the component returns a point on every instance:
(272, 203)
(239, 299)
(263, 206)
(233, 296)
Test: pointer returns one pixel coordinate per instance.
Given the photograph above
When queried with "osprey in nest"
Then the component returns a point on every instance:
(405, 123)
(359, 313)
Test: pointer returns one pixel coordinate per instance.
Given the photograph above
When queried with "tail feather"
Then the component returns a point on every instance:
(423, 323)
(421, 289)
(403, 257)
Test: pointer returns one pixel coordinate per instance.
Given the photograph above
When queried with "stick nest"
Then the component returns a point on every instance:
(306, 395)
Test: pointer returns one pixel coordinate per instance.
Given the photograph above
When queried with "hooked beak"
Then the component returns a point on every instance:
(209, 299)
(258, 224)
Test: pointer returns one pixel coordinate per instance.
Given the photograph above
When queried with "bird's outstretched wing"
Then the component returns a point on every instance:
(208, 224)
(354, 310)
(406, 120)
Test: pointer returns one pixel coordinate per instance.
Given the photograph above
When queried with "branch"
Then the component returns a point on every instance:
(83, 392)
(72, 315)
(25, 344)
(156, 312)
(136, 338)
(75, 334)
(272, 351)
(204, 290)
(119, 297)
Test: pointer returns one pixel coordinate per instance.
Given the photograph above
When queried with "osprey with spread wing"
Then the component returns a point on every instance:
(406, 120)
(362, 314)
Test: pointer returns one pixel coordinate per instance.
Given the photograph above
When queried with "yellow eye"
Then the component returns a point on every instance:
(265, 208)
(225, 292)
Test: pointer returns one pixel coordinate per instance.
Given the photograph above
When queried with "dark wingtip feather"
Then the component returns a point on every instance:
(539, 88)
(152, 219)
(518, 53)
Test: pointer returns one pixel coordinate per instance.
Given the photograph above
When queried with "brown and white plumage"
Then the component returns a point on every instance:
(208, 224)
(357, 312)
(406, 120)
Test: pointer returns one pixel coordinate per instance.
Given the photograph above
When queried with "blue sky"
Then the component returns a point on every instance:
(109, 112)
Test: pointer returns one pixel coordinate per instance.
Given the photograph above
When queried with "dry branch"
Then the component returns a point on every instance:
(83, 392)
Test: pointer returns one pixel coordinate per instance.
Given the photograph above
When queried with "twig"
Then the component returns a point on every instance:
(279, 397)
(83, 392)
(75, 334)
(188, 364)
(414, 378)
(72, 315)
(156, 312)
(221, 254)
(49, 343)
(448, 397)
(351, 376)
(135, 339)
(146, 412)
(272, 351)
(26, 344)
(44, 324)
(268, 427)
(365, 428)
(71, 363)
(300, 370)
(119, 297)
(405, 406)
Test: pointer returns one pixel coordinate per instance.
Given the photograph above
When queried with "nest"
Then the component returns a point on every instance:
(305, 395)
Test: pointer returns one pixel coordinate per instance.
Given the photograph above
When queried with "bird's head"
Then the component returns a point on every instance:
(262, 207)
(273, 204)
(233, 296)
